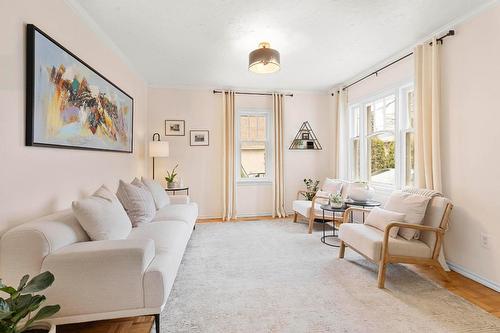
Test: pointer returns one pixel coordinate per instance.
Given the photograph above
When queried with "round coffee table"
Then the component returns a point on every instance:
(334, 235)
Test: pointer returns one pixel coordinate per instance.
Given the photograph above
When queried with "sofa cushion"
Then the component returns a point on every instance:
(137, 201)
(380, 218)
(102, 216)
(368, 240)
(157, 191)
(168, 235)
(187, 213)
(412, 205)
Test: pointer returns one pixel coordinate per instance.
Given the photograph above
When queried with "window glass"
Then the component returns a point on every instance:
(410, 106)
(382, 164)
(253, 137)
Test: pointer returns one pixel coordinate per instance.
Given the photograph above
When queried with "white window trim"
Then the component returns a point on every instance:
(269, 148)
(400, 131)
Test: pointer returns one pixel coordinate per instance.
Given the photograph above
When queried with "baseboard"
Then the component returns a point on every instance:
(473, 276)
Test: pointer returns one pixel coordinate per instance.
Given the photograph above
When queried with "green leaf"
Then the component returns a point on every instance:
(4, 306)
(21, 302)
(45, 312)
(4, 315)
(39, 282)
(23, 282)
(8, 290)
(35, 302)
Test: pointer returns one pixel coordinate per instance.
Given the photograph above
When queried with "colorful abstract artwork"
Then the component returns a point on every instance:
(69, 104)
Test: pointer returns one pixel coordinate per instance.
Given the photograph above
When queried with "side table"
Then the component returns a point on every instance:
(334, 234)
(174, 190)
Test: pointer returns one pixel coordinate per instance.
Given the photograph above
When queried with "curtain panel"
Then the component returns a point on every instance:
(278, 183)
(228, 159)
(427, 113)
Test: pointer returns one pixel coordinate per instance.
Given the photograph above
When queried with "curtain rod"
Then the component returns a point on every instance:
(439, 40)
(251, 93)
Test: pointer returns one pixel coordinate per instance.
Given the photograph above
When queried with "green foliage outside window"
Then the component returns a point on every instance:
(382, 155)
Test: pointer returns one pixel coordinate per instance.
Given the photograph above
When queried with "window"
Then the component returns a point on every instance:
(254, 146)
(381, 136)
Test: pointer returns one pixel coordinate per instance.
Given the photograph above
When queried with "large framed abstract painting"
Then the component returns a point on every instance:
(69, 104)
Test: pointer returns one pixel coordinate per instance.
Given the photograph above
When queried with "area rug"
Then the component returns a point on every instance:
(271, 276)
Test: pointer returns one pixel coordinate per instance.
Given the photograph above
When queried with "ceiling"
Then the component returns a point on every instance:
(205, 43)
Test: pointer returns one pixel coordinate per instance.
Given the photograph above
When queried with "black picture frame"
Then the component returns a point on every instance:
(180, 122)
(31, 31)
(193, 143)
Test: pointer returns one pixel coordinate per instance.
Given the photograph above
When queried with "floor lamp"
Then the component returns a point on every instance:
(158, 148)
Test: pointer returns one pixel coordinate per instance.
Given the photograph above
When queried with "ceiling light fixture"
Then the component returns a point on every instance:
(264, 60)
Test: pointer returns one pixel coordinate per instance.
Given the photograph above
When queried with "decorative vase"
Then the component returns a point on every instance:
(336, 204)
(361, 192)
(42, 327)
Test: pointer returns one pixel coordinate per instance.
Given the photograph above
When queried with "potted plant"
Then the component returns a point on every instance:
(16, 310)
(312, 186)
(336, 200)
(170, 178)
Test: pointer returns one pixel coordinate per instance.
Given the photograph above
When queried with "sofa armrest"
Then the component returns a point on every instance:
(179, 199)
(99, 276)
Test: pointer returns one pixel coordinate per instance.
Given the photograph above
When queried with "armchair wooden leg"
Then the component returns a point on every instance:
(295, 217)
(437, 266)
(341, 250)
(311, 222)
(381, 273)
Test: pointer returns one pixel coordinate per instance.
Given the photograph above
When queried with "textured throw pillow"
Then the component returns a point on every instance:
(380, 218)
(138, 203)
(332, 186)
(412, 205)
(157, 191)
(102, 216)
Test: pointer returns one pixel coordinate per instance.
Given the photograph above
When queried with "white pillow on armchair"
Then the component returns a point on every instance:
(332, 186)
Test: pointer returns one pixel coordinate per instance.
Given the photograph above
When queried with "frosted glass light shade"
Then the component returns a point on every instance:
(264, 60)
(159, 149)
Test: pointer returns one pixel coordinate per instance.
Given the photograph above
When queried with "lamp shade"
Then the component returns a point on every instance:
(264, 60)
(159, 149)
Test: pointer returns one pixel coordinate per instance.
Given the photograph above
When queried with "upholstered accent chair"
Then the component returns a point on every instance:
(311, 210)
(378, 247)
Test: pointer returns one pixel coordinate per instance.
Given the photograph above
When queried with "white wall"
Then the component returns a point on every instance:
(201, 167)
(37, 181)
(469, 132)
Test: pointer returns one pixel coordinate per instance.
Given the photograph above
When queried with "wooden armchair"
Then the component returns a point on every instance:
(378, 247)
(305, 208)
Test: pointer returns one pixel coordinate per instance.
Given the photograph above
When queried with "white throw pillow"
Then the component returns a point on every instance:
(137, 201)
(157, 191)
(332, 186)
(102, 216)
(380, 218)
(412, 205)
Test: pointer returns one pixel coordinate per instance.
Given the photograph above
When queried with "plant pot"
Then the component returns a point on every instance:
(360, 192)
(43, 326)
(173, 185)
(336, 204)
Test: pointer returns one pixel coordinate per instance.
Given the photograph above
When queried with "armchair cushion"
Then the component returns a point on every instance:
(332, 186)
(303, 207)
(380, 218)
(369, 240)
(412, 205)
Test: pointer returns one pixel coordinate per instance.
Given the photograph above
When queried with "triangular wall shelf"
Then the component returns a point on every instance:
(305, 139)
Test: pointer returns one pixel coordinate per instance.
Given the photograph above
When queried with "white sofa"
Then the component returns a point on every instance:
(97, 280)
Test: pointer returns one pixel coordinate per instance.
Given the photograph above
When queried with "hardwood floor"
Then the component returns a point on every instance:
(470, 290)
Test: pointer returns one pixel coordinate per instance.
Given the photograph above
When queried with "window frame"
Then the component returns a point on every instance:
(400, 131)
(268, 144)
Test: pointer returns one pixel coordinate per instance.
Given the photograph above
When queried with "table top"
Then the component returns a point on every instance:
(177, 188)
(368, 203)
(333, 209)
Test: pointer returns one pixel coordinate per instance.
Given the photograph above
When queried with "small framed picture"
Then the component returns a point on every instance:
(305, 136)
(199, 138)
(175, 128)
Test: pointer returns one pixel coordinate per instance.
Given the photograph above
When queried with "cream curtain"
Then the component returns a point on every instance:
(342, 138)
(278, 184)
(228, 164)
(427, 110)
